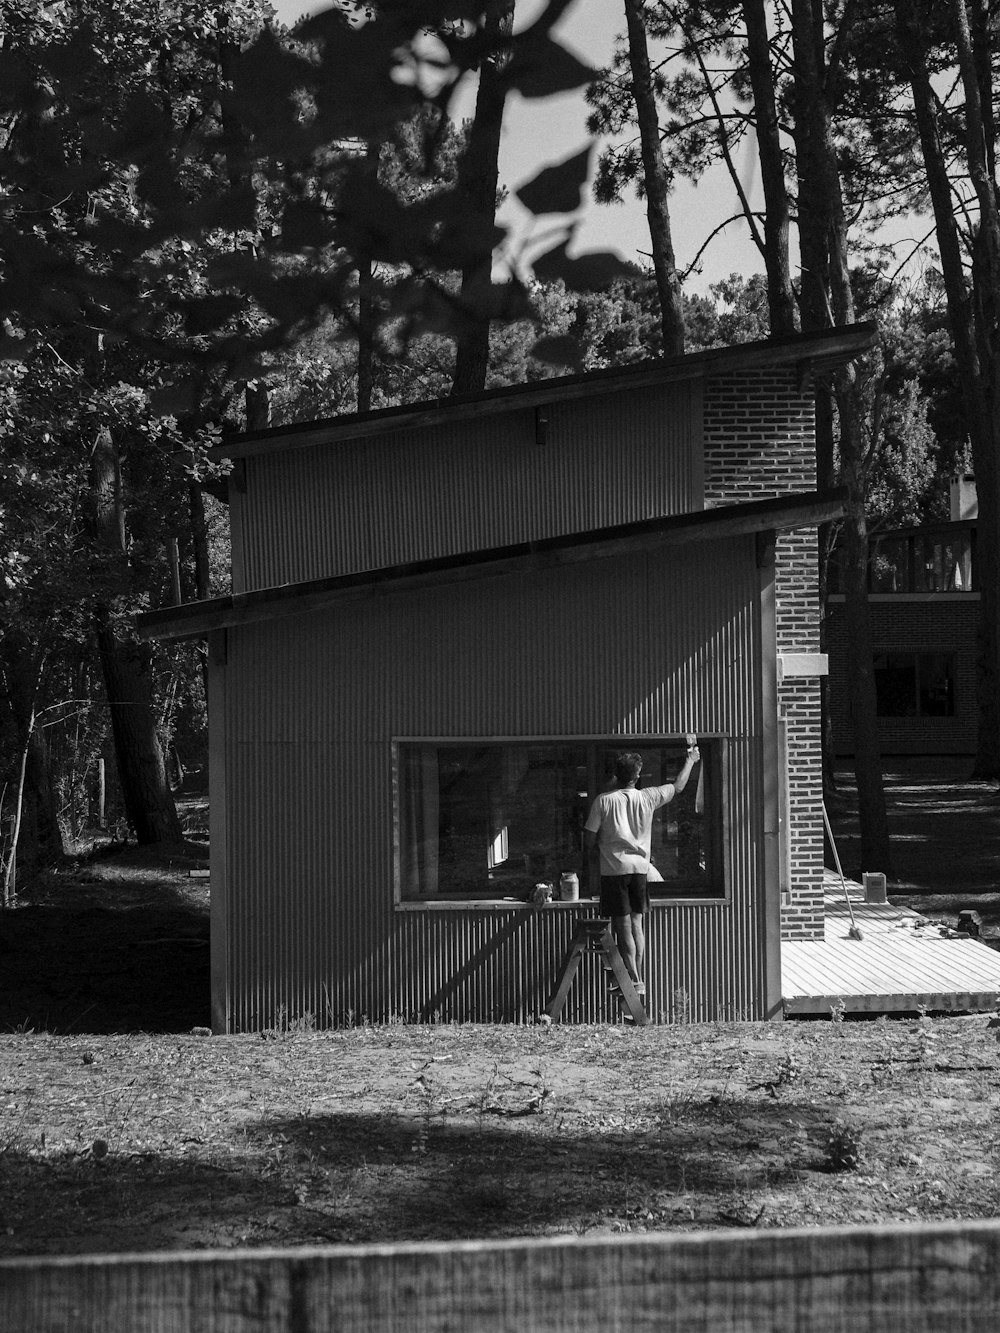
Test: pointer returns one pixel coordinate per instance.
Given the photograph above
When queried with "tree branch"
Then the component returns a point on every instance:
(727, 158)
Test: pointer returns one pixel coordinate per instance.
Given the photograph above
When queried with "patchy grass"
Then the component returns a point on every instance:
(120, 1143)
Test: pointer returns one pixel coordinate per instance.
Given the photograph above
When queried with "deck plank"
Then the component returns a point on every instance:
(902, 962)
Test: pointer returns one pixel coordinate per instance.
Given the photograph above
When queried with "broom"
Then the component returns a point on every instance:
(854, 933)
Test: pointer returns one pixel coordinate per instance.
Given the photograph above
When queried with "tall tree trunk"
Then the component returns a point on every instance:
(366, 308)
(199, 541)
(827, 301)
(478, 179)
(780, 298)
(256, 405)
(202, 574)
(972, 319)
(149, 803)
(815, 314)
(40, 839)
(656, 179)
(986, 291)
(366, 334)
(875, 850)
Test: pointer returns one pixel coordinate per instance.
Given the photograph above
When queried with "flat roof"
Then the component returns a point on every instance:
(195, 620)
(822, 350)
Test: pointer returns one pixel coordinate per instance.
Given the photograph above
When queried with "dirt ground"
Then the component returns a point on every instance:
(121, 1128)
(124, 1143)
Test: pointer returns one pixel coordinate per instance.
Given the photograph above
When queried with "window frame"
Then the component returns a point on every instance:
(917, 717)
(719, 831)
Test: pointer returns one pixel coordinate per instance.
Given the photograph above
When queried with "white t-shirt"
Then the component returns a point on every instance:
(624, 821)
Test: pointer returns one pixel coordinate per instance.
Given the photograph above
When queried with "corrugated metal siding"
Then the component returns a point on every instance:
(653, 645)
(319, 512)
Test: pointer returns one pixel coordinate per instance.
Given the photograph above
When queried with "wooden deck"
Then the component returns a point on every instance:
(902, 962)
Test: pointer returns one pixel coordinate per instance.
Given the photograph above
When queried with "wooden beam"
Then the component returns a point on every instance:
(200, 618)
(941, 1277)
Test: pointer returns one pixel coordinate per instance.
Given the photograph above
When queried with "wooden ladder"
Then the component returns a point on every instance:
(593, 935)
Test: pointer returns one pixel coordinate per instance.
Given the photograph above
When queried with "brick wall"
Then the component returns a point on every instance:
(759, 442)
(941, 623)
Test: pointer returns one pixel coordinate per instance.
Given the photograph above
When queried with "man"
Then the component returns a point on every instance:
(619, 827)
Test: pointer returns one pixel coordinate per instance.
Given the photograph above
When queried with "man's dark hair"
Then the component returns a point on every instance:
(628, 766)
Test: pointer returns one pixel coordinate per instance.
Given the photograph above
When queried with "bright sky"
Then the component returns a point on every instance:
(538, 133)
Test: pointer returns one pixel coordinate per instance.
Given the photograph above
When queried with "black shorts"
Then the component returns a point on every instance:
(624, 895)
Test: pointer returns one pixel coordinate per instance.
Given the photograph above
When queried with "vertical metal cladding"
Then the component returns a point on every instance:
(365, 504)
(658, 644)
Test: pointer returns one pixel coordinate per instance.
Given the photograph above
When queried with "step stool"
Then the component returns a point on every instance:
(593, 935)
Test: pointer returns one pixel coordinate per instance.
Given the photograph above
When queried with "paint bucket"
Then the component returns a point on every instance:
(569, 886)
(874, 885)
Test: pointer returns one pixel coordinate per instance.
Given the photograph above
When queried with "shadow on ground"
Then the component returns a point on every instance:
(97, 970)
(389, 1177)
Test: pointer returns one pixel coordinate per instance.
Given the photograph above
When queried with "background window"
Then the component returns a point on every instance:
(487, 820)
(915, 684)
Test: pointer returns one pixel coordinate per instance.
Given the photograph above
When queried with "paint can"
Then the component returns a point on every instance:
(569, 886)
(874, 886)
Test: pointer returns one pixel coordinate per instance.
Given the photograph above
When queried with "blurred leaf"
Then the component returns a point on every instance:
(589, 272)
(265, 83)
(540, 67)
(460, 234)
(157, 182)
(559, 188)
(353, 63)
(231, 269)
(209, 312)
(427, 308)
(506, 301)
(74, 61)
(15, 349)
(143, 130)
(177, 400)
(305, 225)
(558, 350)
(235, 210)
(372, 220)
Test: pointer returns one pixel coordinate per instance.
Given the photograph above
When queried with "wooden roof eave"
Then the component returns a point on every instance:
(198, 619)
(809, 352)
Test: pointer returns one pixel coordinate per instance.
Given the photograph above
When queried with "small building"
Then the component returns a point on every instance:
(445, 621)
(924, 606)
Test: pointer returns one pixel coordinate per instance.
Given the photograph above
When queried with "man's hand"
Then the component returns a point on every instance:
(692, 758)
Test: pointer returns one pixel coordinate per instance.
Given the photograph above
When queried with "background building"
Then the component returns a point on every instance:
(924, 609)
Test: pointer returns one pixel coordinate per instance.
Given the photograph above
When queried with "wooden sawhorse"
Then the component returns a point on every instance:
(593, 935)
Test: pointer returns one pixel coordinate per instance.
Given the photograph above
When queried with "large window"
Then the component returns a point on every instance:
(916, 560)
(488, 820)
(915, 684)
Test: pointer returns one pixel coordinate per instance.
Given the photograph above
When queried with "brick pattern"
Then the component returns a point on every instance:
(759, 442)
(936, 625)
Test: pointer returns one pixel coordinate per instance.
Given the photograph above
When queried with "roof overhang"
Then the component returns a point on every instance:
(198, 619)
(809, 352)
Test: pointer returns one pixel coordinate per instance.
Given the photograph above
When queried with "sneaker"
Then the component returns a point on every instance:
(640, 987)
